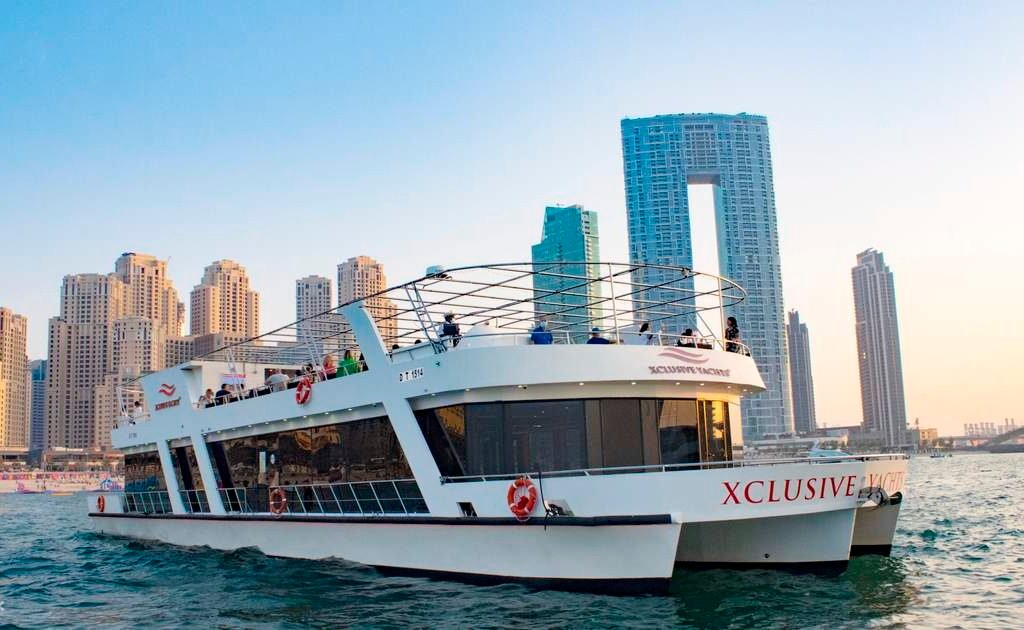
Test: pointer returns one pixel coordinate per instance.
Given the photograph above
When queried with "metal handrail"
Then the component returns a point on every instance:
(342, 498)
(644, 468)
(146, 502)
(194, 501)
(318, 376)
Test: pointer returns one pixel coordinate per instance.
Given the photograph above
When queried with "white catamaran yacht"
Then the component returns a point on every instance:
(436, 428)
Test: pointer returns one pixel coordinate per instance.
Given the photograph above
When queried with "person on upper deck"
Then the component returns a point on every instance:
(137, 412)
(732, 335)
(541, 336)
(277, 381)
(596, 338)
(349, 365)
(207, 398)
(330, 370)
(450, 329)
(687, 340)
(222, 394)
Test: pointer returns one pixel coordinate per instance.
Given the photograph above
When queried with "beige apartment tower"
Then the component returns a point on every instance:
(223, 302)
(15, 402)
(363, 276)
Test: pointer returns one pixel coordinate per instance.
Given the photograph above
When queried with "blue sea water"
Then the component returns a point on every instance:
(958, 561)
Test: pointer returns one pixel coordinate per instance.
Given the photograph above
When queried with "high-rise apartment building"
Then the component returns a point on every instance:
(312, 296)
(112, 328)
(800, 374)
(80, 397)
(37, 370)
(662, 156)
(569, 235)
(14, 390)
(360, 277)
(223, 302)
(878, 348)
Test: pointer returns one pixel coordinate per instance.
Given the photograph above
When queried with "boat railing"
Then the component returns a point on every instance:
(649, 468)
(242, 394)
(146, 502)
(397, 496)
(195, 501)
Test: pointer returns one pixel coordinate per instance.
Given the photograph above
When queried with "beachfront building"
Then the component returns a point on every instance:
(15, 399)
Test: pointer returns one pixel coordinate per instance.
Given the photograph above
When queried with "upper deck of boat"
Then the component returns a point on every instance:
(514, 325)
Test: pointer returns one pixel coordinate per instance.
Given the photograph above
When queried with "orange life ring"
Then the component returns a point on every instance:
(522, 497)
(278, 501)
(101, 503)
(304, 390)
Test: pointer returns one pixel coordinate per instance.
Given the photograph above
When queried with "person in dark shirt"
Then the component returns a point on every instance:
(541, 336)
(687, 340)
(732, 335)
(596, 338)
(222, 394)
(450, 329)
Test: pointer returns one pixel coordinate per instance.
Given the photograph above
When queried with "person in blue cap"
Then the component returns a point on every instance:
(541, 336)
(595, 336)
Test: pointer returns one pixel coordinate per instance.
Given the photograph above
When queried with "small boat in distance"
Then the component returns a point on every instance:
(538, 422)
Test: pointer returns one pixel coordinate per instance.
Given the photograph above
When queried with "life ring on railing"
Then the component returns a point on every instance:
(522, 497)
(278, 501)
(101, 503)
(303, 390)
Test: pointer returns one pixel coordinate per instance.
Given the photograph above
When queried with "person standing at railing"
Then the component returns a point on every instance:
(349, 365)
(330, 370)
(223, 394)
(732, 335)
(206, 398)
(687, 340)
(541, 336)
(596, 338)
(137, 412)
(277, 381)
(450, 329)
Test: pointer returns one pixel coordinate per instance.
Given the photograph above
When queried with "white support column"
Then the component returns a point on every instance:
(202, 453)
(167, 464)
(383, 377)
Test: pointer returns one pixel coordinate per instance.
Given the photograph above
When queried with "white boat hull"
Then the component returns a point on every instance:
(627, 557)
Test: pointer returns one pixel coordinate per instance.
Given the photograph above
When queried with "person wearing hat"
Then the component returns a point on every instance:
(450, 329)
(540, 335)
(595, 336)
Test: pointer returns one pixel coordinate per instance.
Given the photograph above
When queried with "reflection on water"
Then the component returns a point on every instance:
(958, 560)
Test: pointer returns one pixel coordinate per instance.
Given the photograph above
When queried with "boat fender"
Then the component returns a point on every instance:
(522, 497)
(101, 503)
(896, 498)
(304, 390)
(278, 501)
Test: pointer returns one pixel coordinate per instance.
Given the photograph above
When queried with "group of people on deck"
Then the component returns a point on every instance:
(542, 336)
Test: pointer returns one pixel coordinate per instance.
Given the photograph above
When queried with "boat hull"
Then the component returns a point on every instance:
(612, 554)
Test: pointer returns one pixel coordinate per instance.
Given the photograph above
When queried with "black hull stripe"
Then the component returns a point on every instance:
(867, 550)
(825, 567)
(558, 521)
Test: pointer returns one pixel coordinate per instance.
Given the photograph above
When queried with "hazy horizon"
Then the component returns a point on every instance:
(431, 134)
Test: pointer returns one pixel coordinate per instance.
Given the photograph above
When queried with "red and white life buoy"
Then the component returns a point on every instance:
(304, 390)
(278, 501)
(101, 503)
(522, 497)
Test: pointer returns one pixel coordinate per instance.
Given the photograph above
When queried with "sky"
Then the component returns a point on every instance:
(291, 136)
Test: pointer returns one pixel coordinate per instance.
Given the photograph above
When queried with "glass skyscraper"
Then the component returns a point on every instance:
(662, 155)
(569, 236)
(878, 348)
(800, 374)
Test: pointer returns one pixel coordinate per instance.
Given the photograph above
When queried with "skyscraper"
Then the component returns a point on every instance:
(878, 348)
(14, 391)
(312, 296)
(662, 155)
(223, 302)
(800, 374)
(112, 328)
(37, 369)
(80, 400)
(569, 234)
(362, 276)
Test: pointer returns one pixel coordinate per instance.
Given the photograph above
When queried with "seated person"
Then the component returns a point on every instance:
(223, 394)
(596, 338)
(277, 381)
(349, 365)
(450, 329)
(541, 336)
(687, 340)
(330, 370)
(206, 400)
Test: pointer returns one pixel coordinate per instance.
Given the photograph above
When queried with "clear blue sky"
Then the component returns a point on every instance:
(291, 136)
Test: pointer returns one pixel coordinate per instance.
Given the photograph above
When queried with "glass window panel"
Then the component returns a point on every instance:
(484, 439)
(142, 472)
(621, 432)
(677, 430)
(548, 435)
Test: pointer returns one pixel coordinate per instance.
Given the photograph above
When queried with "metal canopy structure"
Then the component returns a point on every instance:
(509, 299)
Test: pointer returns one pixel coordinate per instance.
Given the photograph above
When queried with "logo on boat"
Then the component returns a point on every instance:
(167, 390)
(682, 356)
(167, 403)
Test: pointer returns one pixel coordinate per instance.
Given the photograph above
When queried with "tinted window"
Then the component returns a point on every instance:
(677, 431)
(142, 472)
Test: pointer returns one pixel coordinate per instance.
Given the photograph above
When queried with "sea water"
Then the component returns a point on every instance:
(957, 561)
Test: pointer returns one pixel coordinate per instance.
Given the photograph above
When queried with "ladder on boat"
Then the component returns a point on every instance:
(419, 307)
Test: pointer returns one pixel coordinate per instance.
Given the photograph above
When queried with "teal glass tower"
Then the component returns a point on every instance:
(569, 236)
(662, 155)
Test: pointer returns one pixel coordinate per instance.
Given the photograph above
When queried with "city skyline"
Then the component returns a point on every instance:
(234, 152)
